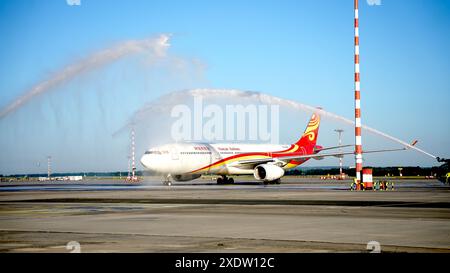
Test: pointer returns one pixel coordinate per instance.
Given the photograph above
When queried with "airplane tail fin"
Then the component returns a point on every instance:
(309, 137)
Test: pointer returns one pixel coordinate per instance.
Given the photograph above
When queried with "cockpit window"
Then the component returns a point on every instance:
(152, 152)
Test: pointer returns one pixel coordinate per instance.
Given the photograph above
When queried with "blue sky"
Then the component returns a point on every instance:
(299, 50)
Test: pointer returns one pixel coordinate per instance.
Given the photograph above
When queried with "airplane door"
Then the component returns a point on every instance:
(217, 155)
(214, 155)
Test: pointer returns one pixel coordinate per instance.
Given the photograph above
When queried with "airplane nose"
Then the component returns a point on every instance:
(145, 161)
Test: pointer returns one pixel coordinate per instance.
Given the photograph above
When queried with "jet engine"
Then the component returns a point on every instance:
(268, 172)
(185, 177)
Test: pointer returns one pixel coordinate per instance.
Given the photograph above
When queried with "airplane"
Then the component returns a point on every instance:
(267, 162)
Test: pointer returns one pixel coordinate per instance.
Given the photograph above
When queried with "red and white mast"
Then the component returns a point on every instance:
(358, 143)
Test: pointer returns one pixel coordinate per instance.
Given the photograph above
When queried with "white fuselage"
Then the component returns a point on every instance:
(205, 158)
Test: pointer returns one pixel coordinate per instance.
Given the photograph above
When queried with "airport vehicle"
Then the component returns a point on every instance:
(267, 162)
(443, 174)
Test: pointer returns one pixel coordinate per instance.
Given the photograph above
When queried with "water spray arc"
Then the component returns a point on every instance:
(165, 103)
(155, 47)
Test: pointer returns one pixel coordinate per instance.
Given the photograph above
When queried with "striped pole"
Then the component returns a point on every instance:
(358, 143)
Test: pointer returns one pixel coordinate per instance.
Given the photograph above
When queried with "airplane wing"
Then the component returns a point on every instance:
(252, 163)
(297, 157)
(336, 147)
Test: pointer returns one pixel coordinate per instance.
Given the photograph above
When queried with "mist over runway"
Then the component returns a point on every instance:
(203, 184)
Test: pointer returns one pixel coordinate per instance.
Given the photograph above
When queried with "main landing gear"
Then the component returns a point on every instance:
(225, 180)
(276, 181)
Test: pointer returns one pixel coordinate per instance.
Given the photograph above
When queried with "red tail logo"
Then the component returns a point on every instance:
(309, 137)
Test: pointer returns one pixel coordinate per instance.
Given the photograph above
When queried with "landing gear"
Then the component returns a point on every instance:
(219, 181)
(167, 181)
(225, 180)
(276, 181)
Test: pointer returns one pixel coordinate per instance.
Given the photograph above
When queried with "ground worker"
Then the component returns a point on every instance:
(354, 184)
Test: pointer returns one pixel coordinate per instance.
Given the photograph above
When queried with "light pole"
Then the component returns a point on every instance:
(340, 131)
(49, 163)
(129, 168)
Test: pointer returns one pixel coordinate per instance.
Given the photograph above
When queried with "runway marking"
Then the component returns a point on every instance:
(185, 201)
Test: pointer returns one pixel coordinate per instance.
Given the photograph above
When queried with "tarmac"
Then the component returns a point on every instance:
(299, 215)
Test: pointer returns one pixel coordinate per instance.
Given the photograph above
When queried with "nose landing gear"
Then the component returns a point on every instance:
(167, 181)
(225, 180)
